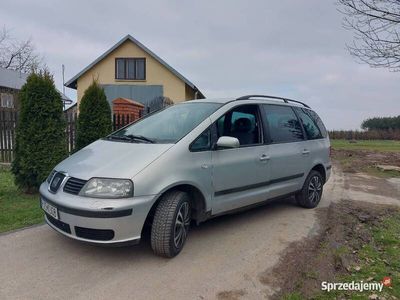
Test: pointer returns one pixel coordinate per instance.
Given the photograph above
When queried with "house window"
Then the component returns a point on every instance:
(6, 100)
(130, 68)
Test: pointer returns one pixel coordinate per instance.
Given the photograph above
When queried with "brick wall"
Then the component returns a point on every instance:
(127, 109)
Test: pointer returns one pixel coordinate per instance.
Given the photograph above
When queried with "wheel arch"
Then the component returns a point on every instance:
(319, 167)
(197, 198)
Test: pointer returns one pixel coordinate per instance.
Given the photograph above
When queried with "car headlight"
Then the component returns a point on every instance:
(107, 188)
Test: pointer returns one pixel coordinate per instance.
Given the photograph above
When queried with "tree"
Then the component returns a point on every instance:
(381, 123)
(40, 133)
(94, 119)
(376, 26)
(159, 103)
(18, 55)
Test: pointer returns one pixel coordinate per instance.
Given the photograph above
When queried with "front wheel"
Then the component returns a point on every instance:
(311, 193)
(171, 224)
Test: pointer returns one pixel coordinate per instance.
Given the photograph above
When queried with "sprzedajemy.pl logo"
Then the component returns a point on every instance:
(359, 286)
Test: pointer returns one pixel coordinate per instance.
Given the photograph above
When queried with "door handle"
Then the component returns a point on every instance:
(264, 157)
(204, 166)
(305, 152)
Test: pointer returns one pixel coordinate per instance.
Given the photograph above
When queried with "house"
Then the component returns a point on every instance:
(129, 70)
(10, 84)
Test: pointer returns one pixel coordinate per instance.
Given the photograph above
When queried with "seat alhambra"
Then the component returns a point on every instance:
(187, 163)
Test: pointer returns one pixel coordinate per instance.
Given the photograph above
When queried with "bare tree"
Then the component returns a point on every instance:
(376, 25)
(159, 103)
(17, 55)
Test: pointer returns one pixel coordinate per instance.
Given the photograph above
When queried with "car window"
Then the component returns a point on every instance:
(317, 121)
(221, 126)
(203, 142)
(242, 123)
(310, 127)
(170, 124)
(283, 125)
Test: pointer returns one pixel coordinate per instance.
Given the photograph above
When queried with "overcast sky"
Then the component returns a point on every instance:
(226, 48)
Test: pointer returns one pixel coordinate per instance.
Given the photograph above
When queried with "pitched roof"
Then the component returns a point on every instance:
(73, 81)
(122, 100)
(12, 79)
(15, 80)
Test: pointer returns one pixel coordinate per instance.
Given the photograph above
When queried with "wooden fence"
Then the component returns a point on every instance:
(8, 124)
(71, 131)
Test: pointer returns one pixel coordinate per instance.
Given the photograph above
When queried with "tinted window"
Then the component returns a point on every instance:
(242, 123)
(172, 123)
(310, 127)
(283, 125)
(203, 142)
(317, 120)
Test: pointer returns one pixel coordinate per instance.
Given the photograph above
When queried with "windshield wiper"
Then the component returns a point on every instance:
(140, 137)
(131, 137)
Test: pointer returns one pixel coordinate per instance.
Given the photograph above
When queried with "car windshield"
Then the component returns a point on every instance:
(168, 125)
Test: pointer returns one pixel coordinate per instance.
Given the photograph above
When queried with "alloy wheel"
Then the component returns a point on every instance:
(182, 223)
(315, 189)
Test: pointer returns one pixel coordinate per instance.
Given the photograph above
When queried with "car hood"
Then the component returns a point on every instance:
(112, 159)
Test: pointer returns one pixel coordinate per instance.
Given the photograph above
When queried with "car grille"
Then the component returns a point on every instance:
(74, 185)
(94, 234)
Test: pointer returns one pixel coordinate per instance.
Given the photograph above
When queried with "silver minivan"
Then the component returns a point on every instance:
(188, 163)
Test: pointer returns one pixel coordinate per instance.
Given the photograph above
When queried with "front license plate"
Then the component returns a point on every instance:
(50, 209)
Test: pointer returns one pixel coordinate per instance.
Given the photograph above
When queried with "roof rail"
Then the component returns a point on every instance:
(286, 100)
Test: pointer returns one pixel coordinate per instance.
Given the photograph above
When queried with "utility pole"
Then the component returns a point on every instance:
(63, 84)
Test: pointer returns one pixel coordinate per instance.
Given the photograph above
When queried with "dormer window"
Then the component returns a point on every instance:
(130, 68)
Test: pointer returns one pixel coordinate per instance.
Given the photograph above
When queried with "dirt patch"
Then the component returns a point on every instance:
(355, 161)
(373, 185)
(231, 295)
(345, 229)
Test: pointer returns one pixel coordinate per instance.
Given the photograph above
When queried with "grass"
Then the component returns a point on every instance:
(377, 259)
(17, 209)
(372, 145)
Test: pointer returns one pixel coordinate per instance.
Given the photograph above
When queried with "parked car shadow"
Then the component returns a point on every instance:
(209, 231)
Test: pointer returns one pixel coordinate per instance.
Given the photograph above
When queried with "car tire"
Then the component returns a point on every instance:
(311, 193)
(171, 224)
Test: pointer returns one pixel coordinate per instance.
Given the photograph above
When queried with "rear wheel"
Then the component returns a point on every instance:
(171, 224)
(311, 193)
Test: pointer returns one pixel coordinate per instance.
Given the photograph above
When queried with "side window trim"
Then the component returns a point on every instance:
(267, 140)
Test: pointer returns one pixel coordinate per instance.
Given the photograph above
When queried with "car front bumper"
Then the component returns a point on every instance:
(100, 221)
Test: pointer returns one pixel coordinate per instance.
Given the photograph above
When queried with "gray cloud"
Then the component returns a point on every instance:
(227, 48)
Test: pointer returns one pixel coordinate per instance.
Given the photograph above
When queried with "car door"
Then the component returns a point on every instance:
(240, 174)
(286, 145)
(316, 148)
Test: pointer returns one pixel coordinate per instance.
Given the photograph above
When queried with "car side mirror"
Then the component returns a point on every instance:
(226, 142)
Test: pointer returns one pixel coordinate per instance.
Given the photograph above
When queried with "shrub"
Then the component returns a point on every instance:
(94, 119)
(40, 133)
